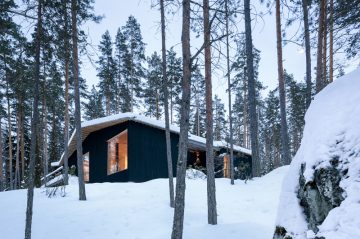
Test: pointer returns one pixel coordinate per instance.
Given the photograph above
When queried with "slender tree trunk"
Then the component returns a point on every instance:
(1, 158)
(10, 138)
(325, 46)
(17, 166)
(285, 152)
(166, 106)
(307, 52)
(178, 223)
(66, 118)
(80, 163)
(22, 142)
(319, 63)
(211, 189)
(245, 110)
(331, 42)
(45, 144)
(34, 124)
(251, 92)
(157, 105)
(229, 94)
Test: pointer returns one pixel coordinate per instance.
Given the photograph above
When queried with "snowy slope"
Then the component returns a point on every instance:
(332, 131)
(140, 210)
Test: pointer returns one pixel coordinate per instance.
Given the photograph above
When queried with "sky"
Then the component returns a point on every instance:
(116, 12)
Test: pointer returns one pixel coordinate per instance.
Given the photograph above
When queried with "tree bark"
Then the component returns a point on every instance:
(285, 152)
(1, 159)
(307, 52)
(251, 92)
(17, 164)
(177, 229)
(211, 189)
(11, 183)
(229, 94)
(319, 63)
(331, 42)
(34, 124)
(22, 140)
(45, 144)
(66, 118)
(166, 106)
(80, 163)
(325, 46)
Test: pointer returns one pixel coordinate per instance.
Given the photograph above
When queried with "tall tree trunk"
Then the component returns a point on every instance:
(285, 152)
(34, 124)
(325, 46)
(178, 223)
(1, 158)
(17, 164)
(45, 144)
(251, 92)
(245, 110)
(22, 139)
(80, 163)
(10, 138)
(166, 106)
(229, 94)
(331, 42)
(319, 58)
(66, 118)
(307, 52)
(211, 190)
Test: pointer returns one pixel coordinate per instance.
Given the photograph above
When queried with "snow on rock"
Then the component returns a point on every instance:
(321, 193)
(142, 211)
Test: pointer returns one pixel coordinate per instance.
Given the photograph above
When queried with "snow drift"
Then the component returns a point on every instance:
(320, 195)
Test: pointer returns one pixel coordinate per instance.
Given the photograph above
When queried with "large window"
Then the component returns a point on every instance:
(86, 166)
(118, 153)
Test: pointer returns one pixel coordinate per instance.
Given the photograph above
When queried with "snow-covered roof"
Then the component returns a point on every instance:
(87, 127)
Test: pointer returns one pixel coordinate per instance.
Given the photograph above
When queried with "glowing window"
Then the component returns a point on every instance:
(86, 166)
(118, 153)
(226, 166)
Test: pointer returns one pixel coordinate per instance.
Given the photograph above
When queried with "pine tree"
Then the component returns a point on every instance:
(174, 76)
(107, 73)
(94, 108)
(178, 222)
(220, 128)
(153, 93)
(198, 111)
(285, 152)
(133, 70)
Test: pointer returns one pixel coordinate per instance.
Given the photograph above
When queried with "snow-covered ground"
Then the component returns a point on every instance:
(140, 210)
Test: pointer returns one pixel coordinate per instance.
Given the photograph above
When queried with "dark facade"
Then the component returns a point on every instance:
(146, 154)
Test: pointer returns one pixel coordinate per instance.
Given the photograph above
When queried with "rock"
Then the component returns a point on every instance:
(321, 195)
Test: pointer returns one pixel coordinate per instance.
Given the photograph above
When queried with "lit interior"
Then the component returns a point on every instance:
(86, 166)
(226, 166)
(118, 153)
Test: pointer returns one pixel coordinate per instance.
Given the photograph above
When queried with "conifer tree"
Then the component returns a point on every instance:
(174, 76)
(153, 93)
(220, 127)
(94, 108)
(133, 70)
(107, 73)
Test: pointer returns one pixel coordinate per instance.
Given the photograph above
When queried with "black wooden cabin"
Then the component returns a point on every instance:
(132, 148)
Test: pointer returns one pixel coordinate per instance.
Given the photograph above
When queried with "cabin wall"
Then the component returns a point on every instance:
(146, 153)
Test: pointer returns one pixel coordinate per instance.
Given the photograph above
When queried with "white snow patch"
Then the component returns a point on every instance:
(332, 129)
(141, 210)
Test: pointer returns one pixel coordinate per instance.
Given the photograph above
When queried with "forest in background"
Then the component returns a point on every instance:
(43, 94)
